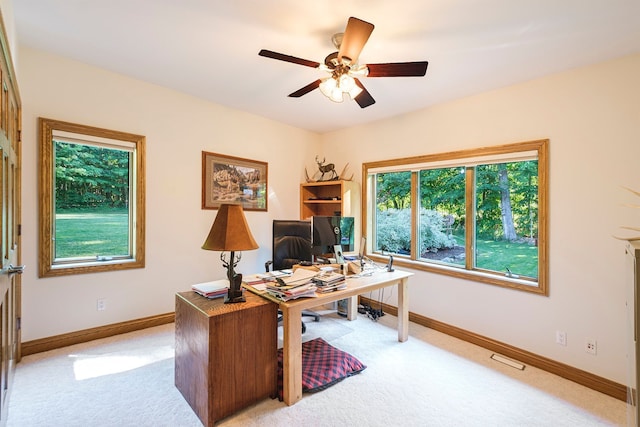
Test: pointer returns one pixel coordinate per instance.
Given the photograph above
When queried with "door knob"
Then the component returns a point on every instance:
(16, 269)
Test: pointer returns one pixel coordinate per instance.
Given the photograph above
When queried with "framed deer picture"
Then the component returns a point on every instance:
(228, 179)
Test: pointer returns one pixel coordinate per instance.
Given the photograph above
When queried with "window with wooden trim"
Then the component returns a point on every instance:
(478, 214)
(92, 199)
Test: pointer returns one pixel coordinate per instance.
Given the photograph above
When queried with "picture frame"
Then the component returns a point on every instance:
(228, 179)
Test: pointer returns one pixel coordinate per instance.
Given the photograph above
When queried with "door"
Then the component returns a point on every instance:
(10, 230)
(632, 251)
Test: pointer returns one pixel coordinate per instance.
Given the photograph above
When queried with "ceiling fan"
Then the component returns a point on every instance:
(344, 68)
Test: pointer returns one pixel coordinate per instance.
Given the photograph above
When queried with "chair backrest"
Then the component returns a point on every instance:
(291, 243)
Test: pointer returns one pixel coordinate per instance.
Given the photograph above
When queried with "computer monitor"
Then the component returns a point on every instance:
(328, 231)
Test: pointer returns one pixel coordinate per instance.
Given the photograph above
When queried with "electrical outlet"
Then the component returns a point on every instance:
(561, 338)
(591, 346)
(101, 304)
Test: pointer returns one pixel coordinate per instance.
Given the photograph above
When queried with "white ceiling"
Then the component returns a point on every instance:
(209, 48)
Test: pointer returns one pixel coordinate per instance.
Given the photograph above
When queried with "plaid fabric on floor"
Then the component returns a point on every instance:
(322, 366)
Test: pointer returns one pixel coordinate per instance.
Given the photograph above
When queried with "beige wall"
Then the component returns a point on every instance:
(177, 129)
(592, 117)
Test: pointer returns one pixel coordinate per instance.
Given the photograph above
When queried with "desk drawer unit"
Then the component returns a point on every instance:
(226, 354)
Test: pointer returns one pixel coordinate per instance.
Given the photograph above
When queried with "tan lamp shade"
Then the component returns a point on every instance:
(230, 231)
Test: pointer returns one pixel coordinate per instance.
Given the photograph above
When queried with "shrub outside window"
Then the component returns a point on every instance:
(477, 214)
(91, 199)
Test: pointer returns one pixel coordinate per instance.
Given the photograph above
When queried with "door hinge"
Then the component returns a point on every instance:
(19, 229)
(18, 323)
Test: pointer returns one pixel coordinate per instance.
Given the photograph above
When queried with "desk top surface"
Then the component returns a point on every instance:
(216, 306)
(355, 285)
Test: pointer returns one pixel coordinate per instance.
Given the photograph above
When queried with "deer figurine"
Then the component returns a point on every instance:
(329, 168)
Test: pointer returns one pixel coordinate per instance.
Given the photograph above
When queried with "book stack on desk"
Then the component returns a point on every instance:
(329, 282)
(255, 279)
(298, 285)
(214, 289)
(307, 290)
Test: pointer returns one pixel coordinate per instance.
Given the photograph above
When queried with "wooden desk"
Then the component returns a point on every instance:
(292, 316)
(226, 354)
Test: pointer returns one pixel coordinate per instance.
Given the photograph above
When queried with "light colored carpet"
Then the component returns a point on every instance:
(430, 380)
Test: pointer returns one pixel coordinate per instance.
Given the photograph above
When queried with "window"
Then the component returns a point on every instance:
(477, 214)
(91, 199)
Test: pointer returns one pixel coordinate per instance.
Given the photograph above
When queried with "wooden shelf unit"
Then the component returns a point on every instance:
(328, 198)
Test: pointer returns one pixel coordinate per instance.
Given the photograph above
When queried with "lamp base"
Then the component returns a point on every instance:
(232, 300)
(234, 294)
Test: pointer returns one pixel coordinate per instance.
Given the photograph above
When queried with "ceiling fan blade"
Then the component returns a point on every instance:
(398, 69)
(288, 58)
(364, 99)
(355, 36)
(305, 90)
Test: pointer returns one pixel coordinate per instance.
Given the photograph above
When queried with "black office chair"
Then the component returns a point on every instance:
(291, 246)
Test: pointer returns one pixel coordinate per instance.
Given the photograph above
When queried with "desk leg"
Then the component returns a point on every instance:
(352, 308)
(292, 355)
(403, 310)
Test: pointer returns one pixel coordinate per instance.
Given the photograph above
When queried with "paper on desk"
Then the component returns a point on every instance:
(300, 276)
(250, 279)
(256, 281)
(207, 287)
(258, 286)
(273, 274)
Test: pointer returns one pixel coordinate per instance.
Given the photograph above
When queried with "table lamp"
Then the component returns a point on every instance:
(230, 233)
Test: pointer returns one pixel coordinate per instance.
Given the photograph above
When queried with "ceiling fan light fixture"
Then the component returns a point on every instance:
(345, 71)
(337, 96)
(359, 70)
(327, 85)
(346, 83)
(335, 87)
(355, 92)
(336, 39)
(331, 89)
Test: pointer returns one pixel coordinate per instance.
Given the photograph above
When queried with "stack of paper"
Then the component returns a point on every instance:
(271, 275)
(297, 285)
(331, 281)
(305, 291)
(298, 277)
(254, 279)
(215, 289)
(328, 278)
